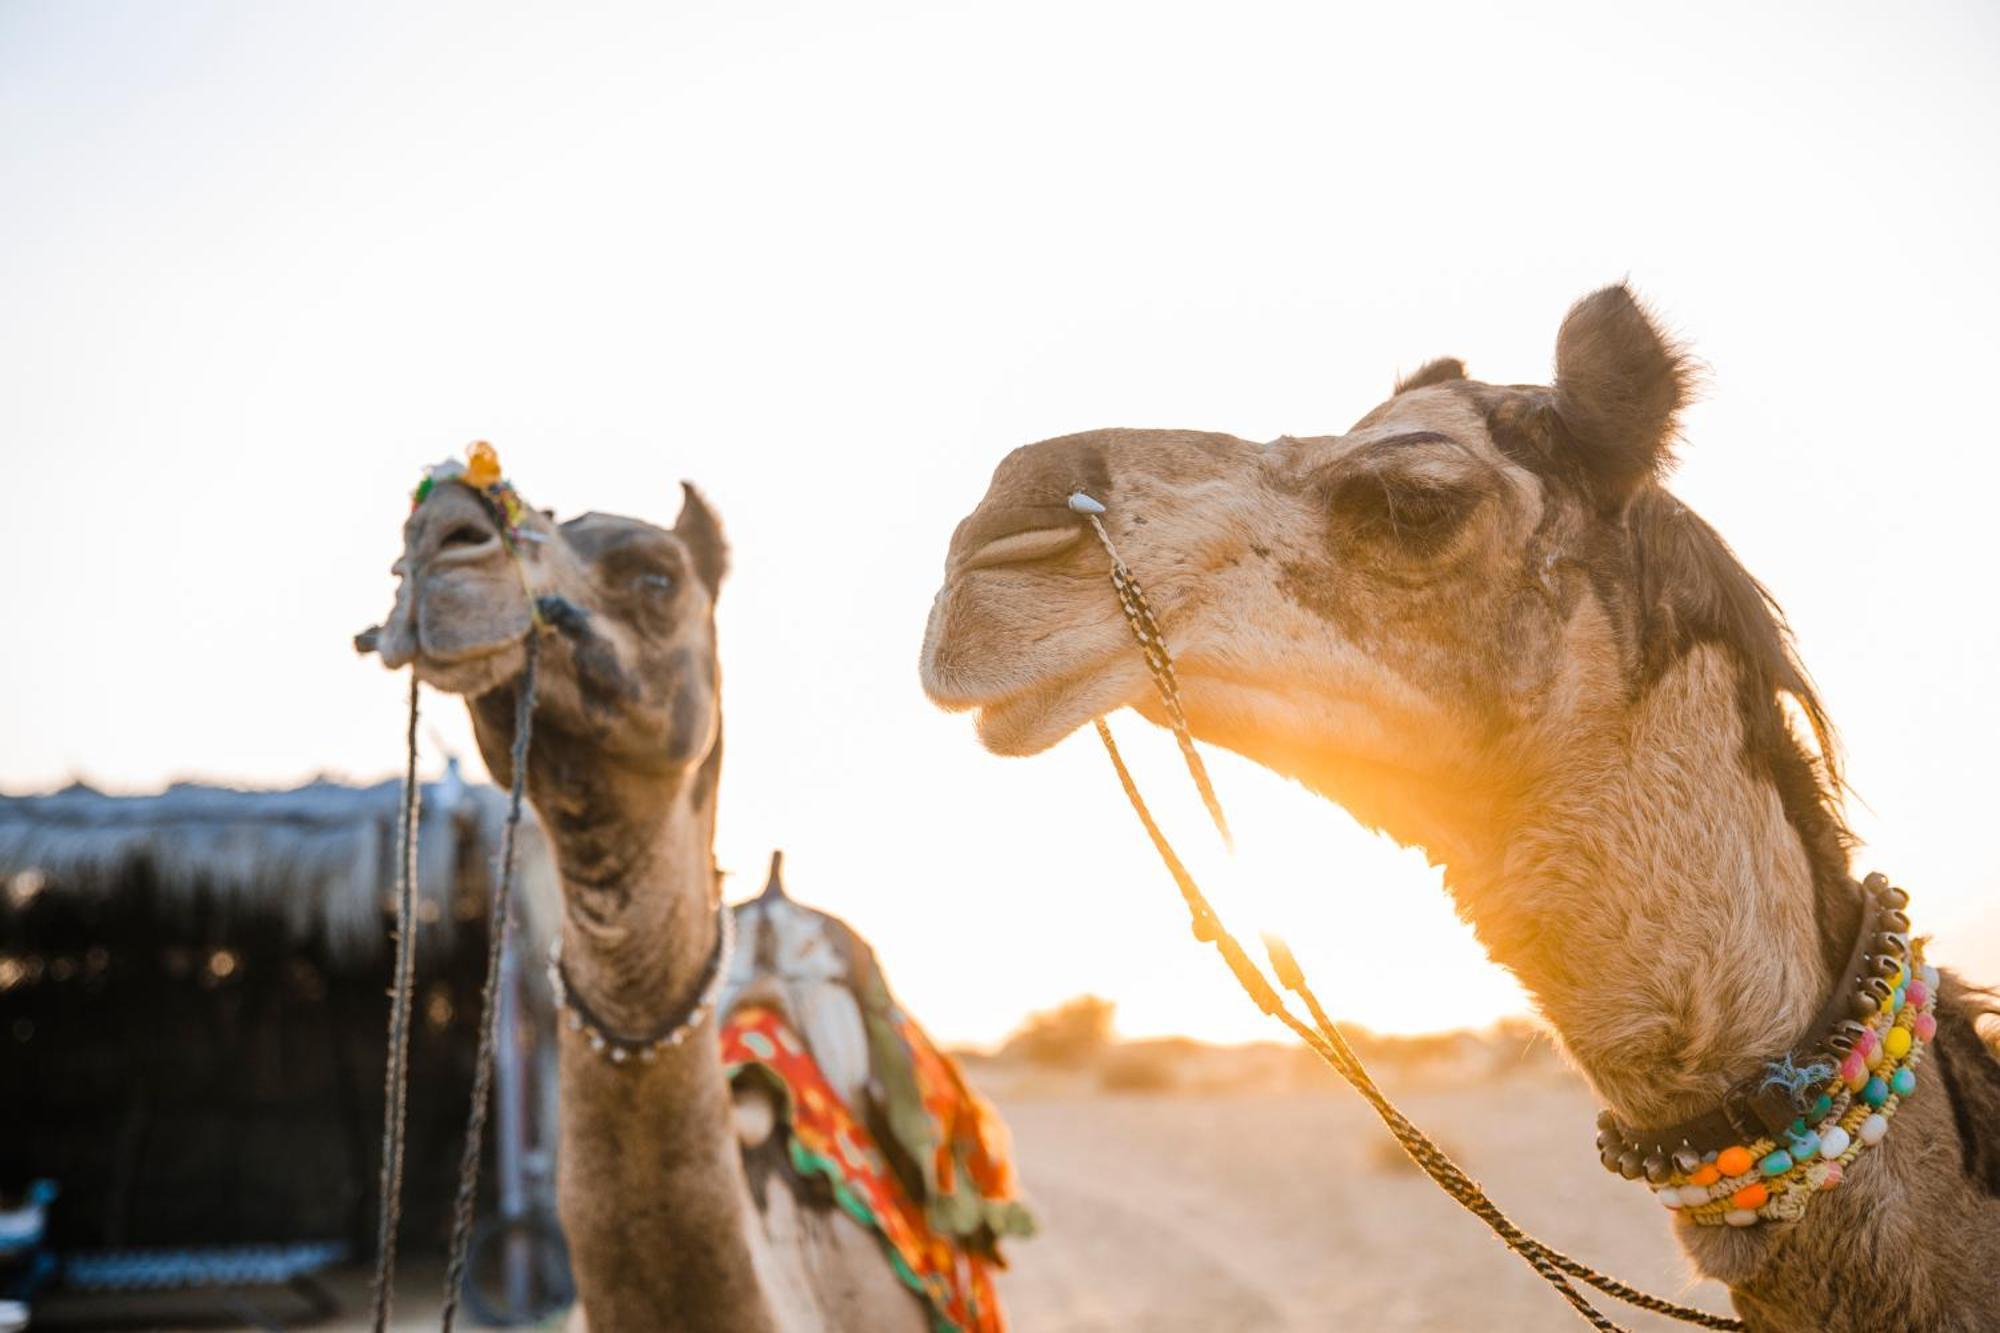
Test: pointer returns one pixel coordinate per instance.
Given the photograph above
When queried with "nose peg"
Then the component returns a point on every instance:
(1081, 502)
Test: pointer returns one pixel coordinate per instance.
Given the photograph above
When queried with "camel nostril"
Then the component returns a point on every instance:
(1019, 548)
(465, 534)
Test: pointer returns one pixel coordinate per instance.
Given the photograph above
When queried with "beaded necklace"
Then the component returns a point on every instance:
(1845, 1091)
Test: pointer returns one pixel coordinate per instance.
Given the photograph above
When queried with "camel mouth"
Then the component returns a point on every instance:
(460, 623)
(472, 672)
(1037, 717)
(995, 648)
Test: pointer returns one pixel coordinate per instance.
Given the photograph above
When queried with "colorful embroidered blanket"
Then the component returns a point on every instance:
(945, 1248)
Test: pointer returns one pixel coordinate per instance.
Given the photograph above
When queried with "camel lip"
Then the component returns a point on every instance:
(959, 696)
(1020, 548)
(429, 657)
(1035, 717)
(1003, 707)
(469, 672)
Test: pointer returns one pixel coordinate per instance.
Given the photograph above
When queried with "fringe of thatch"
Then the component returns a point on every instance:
(319, 859)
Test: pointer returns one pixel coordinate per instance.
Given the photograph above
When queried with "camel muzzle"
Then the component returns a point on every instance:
(460, 600)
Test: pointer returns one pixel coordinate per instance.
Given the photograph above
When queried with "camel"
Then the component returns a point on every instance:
(664, 1229)
(1478, 621)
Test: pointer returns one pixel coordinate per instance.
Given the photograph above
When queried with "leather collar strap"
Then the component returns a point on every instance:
(1768, 1101)
(618, 1048)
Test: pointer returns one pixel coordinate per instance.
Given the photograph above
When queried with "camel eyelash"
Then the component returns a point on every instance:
(1403, 507)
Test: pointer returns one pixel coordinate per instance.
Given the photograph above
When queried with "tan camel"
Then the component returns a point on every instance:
(663, 1227)
(1478, 622)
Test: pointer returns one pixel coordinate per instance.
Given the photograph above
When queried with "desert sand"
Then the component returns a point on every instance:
(1269, 1209)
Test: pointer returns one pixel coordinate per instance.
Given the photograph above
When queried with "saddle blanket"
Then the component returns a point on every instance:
(948, 1265)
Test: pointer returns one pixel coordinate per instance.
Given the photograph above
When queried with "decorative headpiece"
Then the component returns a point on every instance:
(480, 472)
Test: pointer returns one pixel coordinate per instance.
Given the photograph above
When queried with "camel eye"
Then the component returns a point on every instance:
(1417, 518)
(655, 585)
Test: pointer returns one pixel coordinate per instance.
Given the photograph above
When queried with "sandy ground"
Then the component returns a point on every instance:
(1233, 1214)
(1261, 1196)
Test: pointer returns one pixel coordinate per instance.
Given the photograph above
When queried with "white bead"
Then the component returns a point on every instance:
(1931, 977)
(617, 1055)
(1693, 1196)
(1670, 1195)
(1740, 1217)
(1874, 1128)
(1833, 1143)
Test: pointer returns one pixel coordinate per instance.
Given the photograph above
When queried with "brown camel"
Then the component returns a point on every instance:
(1478, 621)
(663, 1228)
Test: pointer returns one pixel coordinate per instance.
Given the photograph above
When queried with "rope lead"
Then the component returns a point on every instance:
(498, 921)
(396, 1079)
(1323, 1036)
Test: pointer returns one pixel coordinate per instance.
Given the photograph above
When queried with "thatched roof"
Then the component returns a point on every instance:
(318, 859)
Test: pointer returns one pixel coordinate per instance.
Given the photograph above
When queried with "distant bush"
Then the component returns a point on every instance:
(1069, 1036)
(1152, 1066)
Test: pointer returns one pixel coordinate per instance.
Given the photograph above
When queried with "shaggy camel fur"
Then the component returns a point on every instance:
(626, 751)
(1478, 622)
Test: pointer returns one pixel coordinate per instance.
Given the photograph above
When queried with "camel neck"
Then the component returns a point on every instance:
(639, 913)
(1654, 898)
(653, 1196)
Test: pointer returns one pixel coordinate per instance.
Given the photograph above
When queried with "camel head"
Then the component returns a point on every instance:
(1415, 617)
(626, 677)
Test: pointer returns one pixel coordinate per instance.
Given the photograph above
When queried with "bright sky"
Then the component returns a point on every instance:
(259, 264)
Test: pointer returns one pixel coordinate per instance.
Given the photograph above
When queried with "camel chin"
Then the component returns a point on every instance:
(1028, 721)
(471, 676)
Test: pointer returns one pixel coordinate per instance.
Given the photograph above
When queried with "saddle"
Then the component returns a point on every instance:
(871, 1108)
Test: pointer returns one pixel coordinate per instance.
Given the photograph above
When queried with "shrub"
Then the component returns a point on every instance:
(1069, 1036)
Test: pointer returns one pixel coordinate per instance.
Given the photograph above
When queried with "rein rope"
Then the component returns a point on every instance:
(481, 475)
(1322, 1035)
(498, 921)
(396, 1079)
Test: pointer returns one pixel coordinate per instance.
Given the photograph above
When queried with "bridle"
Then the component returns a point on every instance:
(1321, 1034)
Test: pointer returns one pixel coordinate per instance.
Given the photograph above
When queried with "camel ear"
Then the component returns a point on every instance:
(1441, 371)
(1620, 383)
(701, 532)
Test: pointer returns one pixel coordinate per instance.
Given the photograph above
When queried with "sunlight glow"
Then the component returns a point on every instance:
(261, 264)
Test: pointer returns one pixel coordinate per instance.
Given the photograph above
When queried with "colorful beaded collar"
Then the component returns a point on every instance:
(1791, 1130)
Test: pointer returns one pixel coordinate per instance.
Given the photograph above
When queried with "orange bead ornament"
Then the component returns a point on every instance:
(482, 465)
(1733, 1161)
(1751, 1197)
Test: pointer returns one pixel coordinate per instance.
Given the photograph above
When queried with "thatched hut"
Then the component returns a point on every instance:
(193, 1006)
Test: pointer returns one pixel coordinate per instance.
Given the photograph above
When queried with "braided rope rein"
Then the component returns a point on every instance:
(1324, 1036)
(402, 992)
(396, 1077)
(499, 921)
